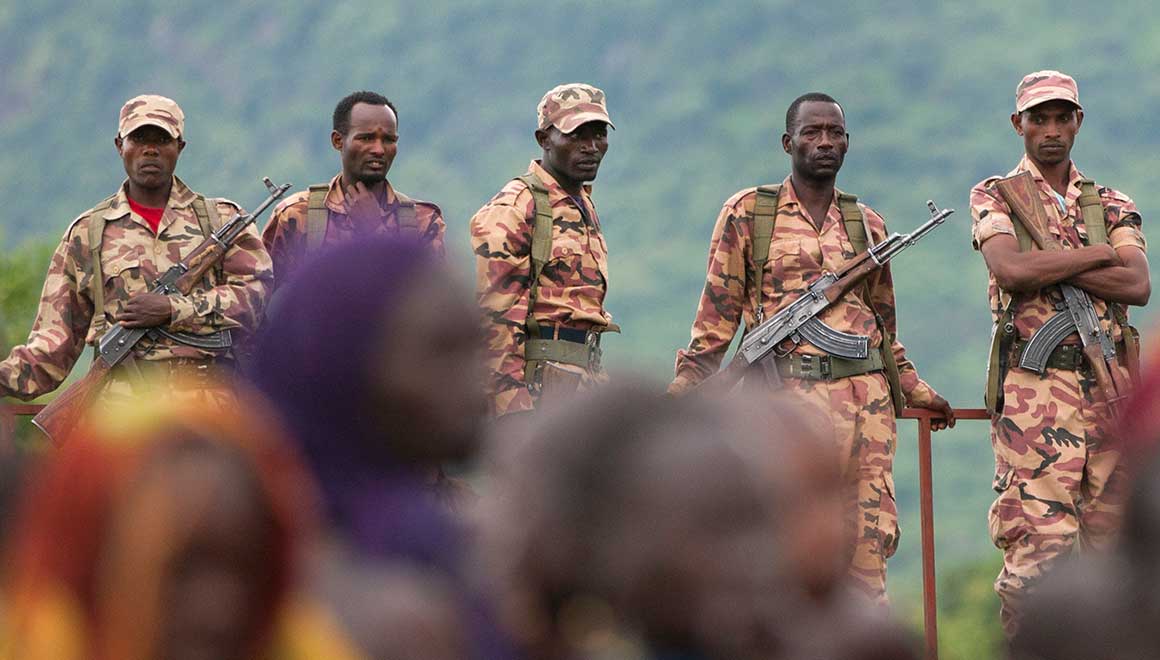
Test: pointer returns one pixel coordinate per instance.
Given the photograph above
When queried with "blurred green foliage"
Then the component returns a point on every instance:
(698, 92)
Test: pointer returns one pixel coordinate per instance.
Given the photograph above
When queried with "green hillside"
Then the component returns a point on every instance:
(698, 93)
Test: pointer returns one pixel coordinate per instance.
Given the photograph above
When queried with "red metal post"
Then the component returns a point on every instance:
(926, 511)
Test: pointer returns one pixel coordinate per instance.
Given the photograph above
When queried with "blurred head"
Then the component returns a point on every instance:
(167, 533)
(633, 509)
(374, 359)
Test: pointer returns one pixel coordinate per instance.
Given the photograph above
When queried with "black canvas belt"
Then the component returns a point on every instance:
(576, 335)
(1068, 357)
(826, 367)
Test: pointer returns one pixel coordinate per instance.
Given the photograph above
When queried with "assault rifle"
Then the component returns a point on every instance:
(798, 320)
(1077, 315)
(59, 417)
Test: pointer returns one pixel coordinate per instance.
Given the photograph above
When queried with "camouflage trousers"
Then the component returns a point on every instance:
(858, 414)
(1055, 473)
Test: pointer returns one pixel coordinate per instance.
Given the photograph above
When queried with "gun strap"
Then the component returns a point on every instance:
(854, 222)
(541, 252)
(316, 216)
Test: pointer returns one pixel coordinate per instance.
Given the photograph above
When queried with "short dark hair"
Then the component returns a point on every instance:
(342, 110)
(791, 115)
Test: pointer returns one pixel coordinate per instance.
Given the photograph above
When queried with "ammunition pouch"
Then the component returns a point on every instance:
(826, 367)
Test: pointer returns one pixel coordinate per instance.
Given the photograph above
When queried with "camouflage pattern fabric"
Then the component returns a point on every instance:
(151, 110)
(1056, 477)
(285, 234)
(990, 216)
(132, 257)
(857, 413)
(798, 254)
(1043, 86)
(569, 106)
(571, 288)
(858, 409)
(1055, 472)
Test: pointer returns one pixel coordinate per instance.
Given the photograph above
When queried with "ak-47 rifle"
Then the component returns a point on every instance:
(1078, 314)
(59, 417)
(798, 319)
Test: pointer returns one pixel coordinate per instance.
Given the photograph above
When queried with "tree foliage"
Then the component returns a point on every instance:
(698, 92)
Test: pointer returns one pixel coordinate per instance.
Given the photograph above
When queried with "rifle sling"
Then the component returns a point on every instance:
(854, 221)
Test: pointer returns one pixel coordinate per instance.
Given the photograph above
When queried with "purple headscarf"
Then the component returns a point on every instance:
(316, 359)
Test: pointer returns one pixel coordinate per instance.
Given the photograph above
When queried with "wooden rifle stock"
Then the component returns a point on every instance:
(61, 415)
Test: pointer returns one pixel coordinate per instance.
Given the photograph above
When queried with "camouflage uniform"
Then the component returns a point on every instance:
(572, 285)
(858, 408)
(132, 258)
(285, 234)
(1054, 469)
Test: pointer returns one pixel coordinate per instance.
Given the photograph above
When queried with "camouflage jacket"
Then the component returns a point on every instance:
(798, 254)
(990, 215)
(132, 257)
(285, 234)
(571, 289)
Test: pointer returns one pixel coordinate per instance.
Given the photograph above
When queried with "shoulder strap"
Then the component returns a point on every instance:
(856, 231)
(316, 216)
(405, 215)
(207, 215)
(1093, 212)
(764, 216)
(208, 219)
(853, 220)
(541, 244)
(96, 273)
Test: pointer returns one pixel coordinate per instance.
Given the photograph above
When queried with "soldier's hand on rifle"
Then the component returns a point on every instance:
(146, 310)
(942, 406)
(362, 207)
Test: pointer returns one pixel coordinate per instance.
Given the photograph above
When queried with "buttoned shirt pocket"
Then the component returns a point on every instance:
(122, 278)
(785, 265)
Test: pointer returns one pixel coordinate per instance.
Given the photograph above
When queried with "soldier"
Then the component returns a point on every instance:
(809, 227)
(541, 262)
(1053, 463)
(103, 269)
(359, 201)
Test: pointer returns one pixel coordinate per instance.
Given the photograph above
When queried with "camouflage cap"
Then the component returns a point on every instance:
(151, 110)
(1043, 86)
(569, 106)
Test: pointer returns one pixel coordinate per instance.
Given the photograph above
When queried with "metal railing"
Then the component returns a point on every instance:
(9, 413)
(926, 512)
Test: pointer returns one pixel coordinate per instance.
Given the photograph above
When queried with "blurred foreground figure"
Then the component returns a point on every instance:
(375, 362)
(167, 534)
(631, 525)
